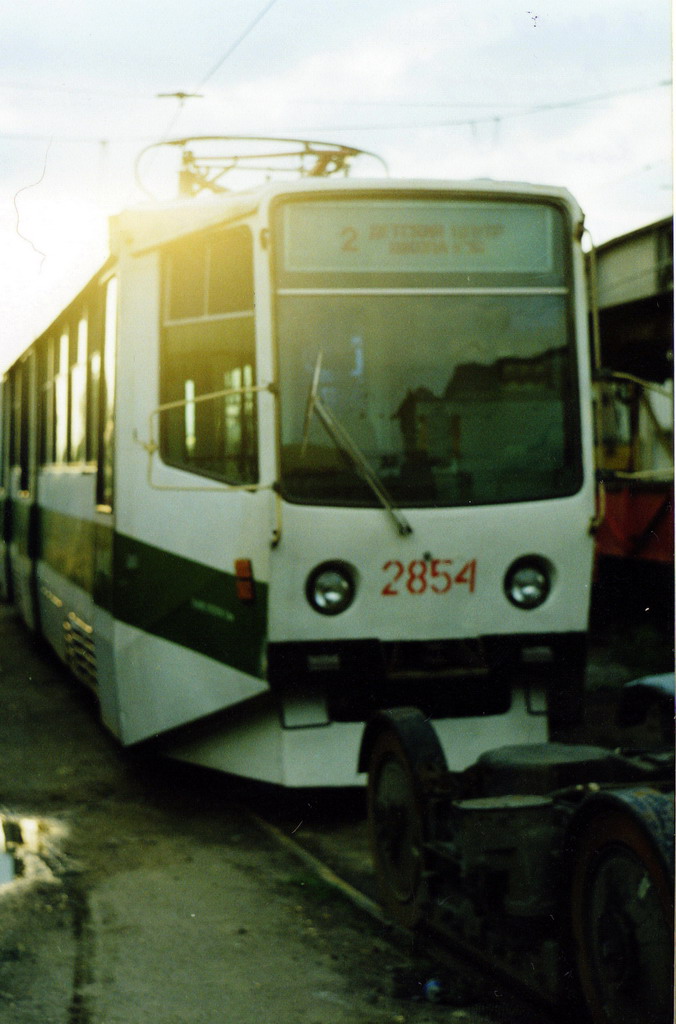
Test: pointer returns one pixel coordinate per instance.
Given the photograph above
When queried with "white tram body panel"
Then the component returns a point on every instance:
(487, 539)
(197, 615)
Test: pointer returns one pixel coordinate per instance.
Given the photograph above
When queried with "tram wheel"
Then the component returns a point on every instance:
(396, 830)
(622, 906)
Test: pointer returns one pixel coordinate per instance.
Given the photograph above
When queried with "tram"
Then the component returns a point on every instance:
(302, 451)
(634, 283)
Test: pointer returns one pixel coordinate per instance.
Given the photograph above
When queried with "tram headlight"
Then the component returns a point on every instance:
(330, 588)
(528, 582)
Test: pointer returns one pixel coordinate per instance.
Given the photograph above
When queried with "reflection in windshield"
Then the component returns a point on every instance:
(346, 446)
(452, 398)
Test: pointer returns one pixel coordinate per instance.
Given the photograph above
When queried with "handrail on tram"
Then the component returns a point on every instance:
(152, 447)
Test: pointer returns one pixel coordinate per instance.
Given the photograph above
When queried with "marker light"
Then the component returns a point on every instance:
(330, 588)
(244, 581)
(528, 582)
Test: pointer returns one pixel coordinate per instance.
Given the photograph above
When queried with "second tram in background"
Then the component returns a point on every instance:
(304, 451)
(635, 452)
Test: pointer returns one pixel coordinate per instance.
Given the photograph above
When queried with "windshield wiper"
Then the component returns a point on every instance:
(345, 444)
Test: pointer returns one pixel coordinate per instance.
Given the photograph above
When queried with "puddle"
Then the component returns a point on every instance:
(26, 848)
(10, 833)
(7, 868)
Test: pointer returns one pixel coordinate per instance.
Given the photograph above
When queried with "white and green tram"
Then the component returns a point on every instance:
(305, 451)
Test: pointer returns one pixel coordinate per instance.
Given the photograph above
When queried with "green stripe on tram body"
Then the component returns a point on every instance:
(161, 593)
(190, 604)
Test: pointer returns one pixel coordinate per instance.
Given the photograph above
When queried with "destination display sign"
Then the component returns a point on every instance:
(366, 236)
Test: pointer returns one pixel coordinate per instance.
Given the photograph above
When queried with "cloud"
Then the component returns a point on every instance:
(442, 88)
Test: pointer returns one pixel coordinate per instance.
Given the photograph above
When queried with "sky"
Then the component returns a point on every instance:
(561, 92)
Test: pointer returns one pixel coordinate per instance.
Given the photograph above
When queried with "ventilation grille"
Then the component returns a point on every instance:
(79, 649)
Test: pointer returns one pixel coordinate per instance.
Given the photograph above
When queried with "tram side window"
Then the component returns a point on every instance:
(105, 365)
(61, 431)
(208, 350)
(10, 417)
(94, 379)
(15, 435)
(22, 420)
(78, 391)
(70, 382)
(187, 269)
(47, 383)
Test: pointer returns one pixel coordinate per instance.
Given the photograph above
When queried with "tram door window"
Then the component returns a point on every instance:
(61, 431)
(78, 391)
(15, 417)
(208, 350)
(105, 411)
(94, 382)
(47, 386)
(23, 421)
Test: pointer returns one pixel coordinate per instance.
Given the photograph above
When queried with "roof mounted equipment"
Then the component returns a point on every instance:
(203, 167)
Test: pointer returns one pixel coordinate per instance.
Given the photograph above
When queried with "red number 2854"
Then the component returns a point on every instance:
(420, 576)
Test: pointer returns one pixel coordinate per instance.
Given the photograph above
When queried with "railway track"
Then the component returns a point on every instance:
(429, 859)
(334, 847)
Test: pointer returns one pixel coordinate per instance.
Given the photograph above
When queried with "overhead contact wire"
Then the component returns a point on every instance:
(231, 49)
(219, 64)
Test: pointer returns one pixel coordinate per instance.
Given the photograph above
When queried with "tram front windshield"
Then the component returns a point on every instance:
(438, 334)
